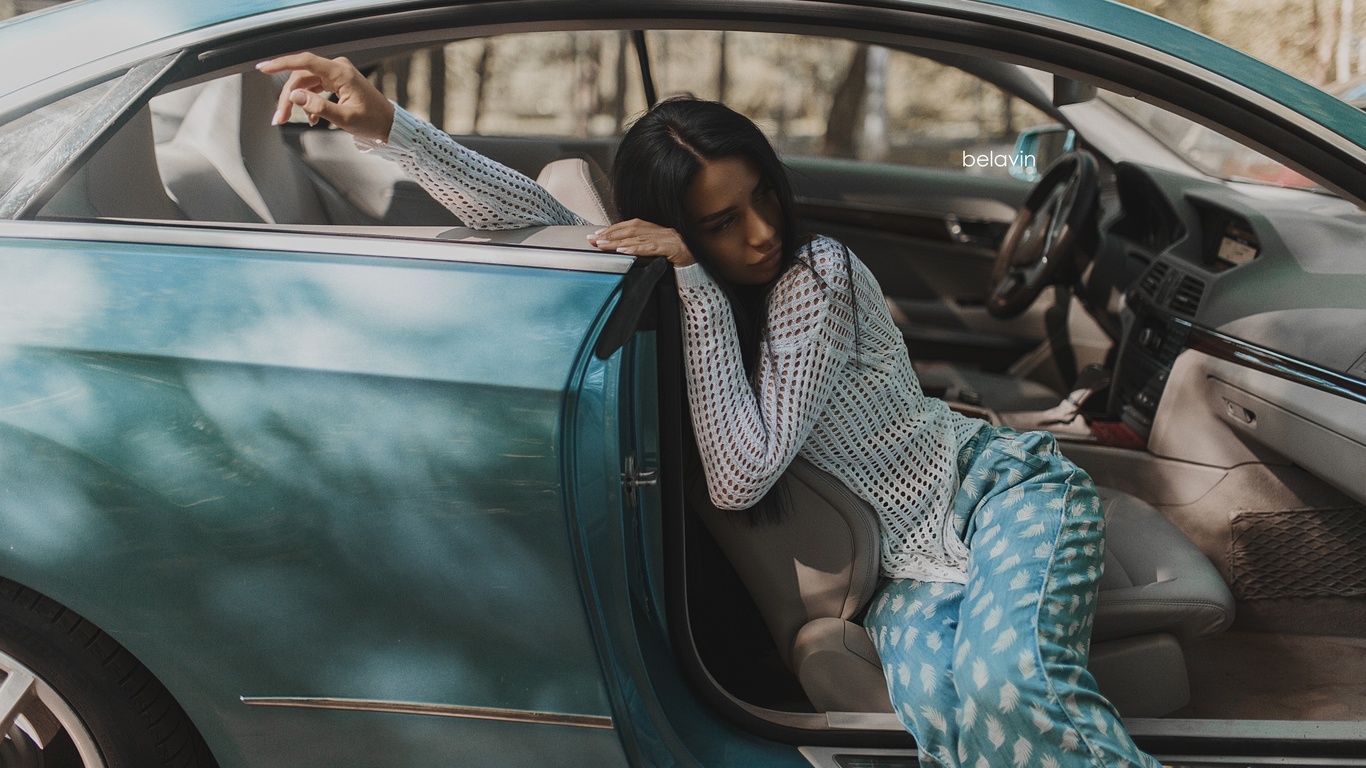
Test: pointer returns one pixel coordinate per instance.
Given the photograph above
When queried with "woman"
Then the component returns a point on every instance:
(991, 541)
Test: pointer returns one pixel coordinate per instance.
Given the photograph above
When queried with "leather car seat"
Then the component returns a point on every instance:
(812, 573)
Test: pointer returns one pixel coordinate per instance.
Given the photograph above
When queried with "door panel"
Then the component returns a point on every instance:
(292, 475)
(930, 237)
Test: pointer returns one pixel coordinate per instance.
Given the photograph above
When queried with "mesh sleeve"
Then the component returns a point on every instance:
(748, 435)
(483, 193)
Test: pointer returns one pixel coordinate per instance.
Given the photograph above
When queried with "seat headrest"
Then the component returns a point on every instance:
(580, 185)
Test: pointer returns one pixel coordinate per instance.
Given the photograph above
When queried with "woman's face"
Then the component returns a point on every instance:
(735, 214)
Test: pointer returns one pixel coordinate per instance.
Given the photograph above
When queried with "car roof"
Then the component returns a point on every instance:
(89, 30)
(92, 29)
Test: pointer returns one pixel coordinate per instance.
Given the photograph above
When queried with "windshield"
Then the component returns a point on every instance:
(1212, 153)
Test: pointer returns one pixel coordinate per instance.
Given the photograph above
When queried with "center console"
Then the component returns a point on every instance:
(1149, 351)
(1152, 341)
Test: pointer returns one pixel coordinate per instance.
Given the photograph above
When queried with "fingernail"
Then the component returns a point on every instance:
(599, 232)
(261, 64)
(298, 97)
(624, 249)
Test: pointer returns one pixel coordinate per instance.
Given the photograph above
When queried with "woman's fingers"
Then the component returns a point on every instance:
(306, 60)
(284, 104)
(641, 238)
(360, 108)
(632, 228)
(315, 106)
(307, 70)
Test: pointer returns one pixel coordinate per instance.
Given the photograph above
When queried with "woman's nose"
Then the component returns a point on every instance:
(761, 231)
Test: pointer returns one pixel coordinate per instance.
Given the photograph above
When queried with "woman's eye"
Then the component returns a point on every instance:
(722, 224)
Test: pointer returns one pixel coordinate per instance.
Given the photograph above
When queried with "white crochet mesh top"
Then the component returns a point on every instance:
(849, 402)
(482, 193)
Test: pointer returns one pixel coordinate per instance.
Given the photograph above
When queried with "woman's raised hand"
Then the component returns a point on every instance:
(360, 110)
(641, 238)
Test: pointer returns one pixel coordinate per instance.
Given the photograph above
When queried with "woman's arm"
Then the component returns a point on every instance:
(748, 435)
(483, 193)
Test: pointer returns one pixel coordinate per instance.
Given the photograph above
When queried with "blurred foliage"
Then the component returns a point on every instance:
(811, 95)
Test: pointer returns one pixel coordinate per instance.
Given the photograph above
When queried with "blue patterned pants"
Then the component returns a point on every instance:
(993, 673)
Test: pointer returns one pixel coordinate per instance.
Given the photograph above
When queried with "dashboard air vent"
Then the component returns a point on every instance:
(1186, 299)
(1152, 280)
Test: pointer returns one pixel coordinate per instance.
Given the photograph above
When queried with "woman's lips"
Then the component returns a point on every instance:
(770, 259)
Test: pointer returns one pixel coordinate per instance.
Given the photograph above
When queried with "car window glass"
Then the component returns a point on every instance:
(24, 139)
(571, 84)
(821, 96)
(36, 145)
(206, 151)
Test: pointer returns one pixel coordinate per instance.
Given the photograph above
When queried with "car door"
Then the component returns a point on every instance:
(336, 475)
(312, 480)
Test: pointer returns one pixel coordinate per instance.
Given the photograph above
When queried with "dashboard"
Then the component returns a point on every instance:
(1270, 285)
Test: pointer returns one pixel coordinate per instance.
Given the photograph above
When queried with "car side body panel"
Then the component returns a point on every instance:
(281, 477)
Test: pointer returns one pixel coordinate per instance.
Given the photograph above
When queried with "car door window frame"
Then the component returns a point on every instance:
(46, 173)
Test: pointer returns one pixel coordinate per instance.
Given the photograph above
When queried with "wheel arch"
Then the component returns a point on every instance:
(121, 694)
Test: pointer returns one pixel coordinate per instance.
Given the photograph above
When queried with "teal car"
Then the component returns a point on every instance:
(297, 470)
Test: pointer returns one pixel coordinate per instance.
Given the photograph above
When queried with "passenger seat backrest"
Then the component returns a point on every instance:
(227, 163)
(580, 185)
(276, 170)
(811, 573)
(119, 181)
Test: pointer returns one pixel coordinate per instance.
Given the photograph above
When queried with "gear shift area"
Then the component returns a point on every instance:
(1064, 418)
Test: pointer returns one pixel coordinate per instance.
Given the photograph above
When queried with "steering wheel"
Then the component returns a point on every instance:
(1042, 239)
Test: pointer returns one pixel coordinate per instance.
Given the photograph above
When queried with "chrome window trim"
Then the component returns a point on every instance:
(1281, 366)
(438, 710)
(275, 240)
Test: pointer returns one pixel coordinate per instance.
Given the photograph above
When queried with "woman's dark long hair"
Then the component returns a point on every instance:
(658, 160)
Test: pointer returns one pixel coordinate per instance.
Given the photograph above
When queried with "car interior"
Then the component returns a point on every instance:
(1195, 346)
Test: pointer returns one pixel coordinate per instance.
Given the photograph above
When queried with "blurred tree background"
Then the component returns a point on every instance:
(1321, 41)
(811, 95)
(10, 8)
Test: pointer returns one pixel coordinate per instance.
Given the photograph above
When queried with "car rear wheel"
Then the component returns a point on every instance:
(72, 697)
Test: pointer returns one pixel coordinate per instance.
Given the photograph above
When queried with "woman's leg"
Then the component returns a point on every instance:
(913, 625)
(1036, 539)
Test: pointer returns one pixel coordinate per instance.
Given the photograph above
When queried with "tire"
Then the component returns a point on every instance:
(87, 703)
